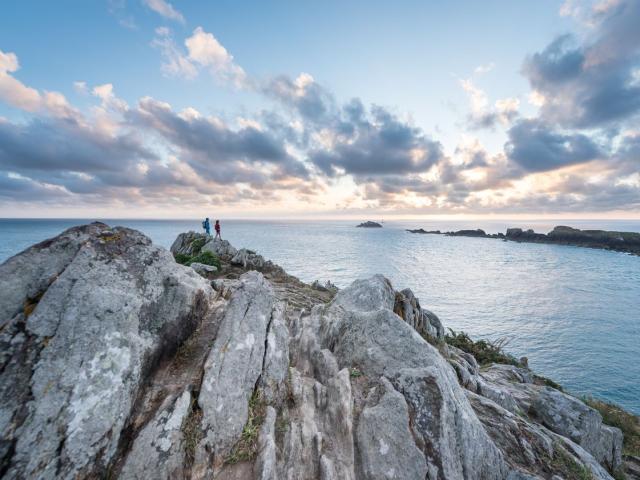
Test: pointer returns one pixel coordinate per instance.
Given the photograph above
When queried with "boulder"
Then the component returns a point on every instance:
(204, 270)
(219, 247)
(573, 419)
(109, 305)
(189, 243)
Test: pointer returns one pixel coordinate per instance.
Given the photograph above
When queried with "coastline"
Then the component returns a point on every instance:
(319, 362)
(625, 242)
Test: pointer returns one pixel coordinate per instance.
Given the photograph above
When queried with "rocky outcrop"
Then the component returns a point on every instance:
(628, 242)
(193, 243)
(88, 315)
(118, 362)
(369, 224)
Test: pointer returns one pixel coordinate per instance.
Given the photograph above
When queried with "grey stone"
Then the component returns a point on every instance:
(184, 243)
(116, 306)
(158, 450)
(385, 441)
(203, 269)
(234, 363)
(221, 248)
(266, 464)
(573, 419)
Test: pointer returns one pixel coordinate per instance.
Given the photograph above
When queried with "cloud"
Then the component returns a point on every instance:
(484, 115)
(591, 84)
(375, 144)
(482, 69)
(536, 147)
(12, 91)
(203, 50)
(309, 99)
(175, 62)
(164, 8)
(215, 150)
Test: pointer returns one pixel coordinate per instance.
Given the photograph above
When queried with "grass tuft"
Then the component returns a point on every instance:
(247, 447)
(207, 258)
(567, 466)
(197, 244)
(616, 416)
(484, 351)
(192, 432)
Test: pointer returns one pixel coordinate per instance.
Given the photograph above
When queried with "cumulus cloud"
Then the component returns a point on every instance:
(309, 99)
(12, 91)
(203, 50)
(214, 149)
(536, 147)
(375, 144)
(311, 148)
(164, 8)
(591, 84)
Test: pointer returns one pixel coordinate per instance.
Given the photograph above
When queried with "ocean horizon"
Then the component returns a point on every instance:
(573, 312)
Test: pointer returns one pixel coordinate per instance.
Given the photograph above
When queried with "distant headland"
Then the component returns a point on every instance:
(628, 242)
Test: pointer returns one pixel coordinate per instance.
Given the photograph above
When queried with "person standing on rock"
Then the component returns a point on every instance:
(217, 226)
(207, 226)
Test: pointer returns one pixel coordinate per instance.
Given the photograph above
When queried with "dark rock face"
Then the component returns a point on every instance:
(628, 242)
(272, 378)
(467, 233)
(423, 231)
(369, 224)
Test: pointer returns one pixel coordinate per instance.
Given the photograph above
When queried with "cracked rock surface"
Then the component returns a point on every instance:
(117, 362)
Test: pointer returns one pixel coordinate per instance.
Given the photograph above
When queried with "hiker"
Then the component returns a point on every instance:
(207, 226)
(217, 226)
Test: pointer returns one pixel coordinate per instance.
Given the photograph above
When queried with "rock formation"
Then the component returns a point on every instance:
(369, 224)
(628, 242)
(117, 362)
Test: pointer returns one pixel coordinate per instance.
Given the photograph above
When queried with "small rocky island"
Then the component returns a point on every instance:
(369, 224)
(118, 362)
(628, 242)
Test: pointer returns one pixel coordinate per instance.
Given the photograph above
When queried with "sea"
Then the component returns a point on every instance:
(573, 312)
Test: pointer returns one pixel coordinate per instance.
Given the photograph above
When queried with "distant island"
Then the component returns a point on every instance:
(628, 242)
(369, 224)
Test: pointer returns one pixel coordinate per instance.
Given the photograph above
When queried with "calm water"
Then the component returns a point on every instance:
(575, 312)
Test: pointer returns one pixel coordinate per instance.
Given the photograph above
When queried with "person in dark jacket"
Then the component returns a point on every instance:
(207, 226)
(217, 226)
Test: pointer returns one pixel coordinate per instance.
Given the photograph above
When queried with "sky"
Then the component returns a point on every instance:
(182, 108)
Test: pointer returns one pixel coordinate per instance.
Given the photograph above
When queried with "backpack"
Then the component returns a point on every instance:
(204, 224)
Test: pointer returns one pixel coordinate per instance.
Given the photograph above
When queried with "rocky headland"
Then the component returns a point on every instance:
(628, 242)
(116, 361)
(369, 224)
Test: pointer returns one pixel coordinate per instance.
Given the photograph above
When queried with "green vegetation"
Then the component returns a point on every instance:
(197, 244)
(617, 417)
(484, 351)
(207, 258)
(247, 446)
(355, 373)
(567, 466)
(548, 382)
(182, 258)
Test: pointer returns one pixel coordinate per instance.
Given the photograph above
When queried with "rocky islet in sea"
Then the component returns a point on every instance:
(628, 242)
(118, 362)
(369, 224)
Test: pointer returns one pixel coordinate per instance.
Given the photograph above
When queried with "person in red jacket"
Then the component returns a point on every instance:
(217, 227)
